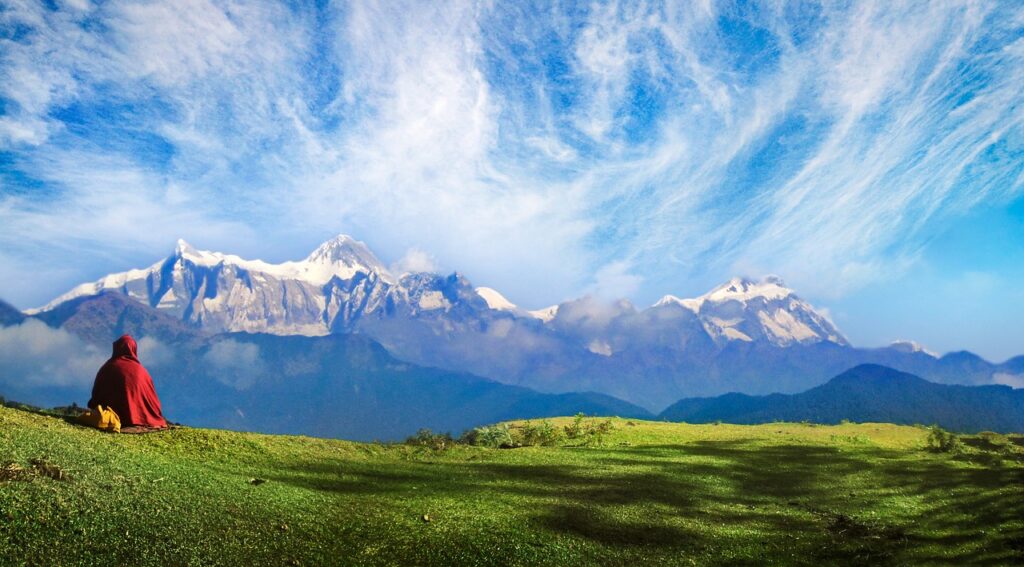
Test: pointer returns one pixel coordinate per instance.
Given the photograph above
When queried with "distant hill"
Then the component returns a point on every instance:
(868, 392)
(9, 315)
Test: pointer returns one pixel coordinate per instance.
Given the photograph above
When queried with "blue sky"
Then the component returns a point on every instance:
(868, 153)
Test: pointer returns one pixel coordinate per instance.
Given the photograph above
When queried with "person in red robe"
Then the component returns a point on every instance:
(125, 386)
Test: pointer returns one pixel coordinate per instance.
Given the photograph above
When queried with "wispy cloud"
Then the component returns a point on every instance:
(540, 149)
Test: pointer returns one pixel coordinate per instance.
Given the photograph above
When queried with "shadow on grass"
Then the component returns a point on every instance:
(695, 497)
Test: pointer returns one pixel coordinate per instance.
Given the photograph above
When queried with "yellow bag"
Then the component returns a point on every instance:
(102, 418)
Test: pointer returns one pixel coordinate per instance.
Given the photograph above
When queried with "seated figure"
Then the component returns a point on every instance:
(125, 386)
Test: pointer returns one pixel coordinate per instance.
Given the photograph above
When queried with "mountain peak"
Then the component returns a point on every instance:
(346, 251)
(747, 310)
(495, 300)
(185, 251)
(743, 289)
(908, 346)
(10, 315)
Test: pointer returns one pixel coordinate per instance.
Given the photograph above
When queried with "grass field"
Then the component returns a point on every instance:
(652, 493)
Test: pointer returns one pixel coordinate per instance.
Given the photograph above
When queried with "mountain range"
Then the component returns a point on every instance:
(756, 337)
(201, 310)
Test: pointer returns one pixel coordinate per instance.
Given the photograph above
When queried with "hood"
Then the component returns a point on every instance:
(126, 347)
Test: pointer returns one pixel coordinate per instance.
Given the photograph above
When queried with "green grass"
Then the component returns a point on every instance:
(654, 493)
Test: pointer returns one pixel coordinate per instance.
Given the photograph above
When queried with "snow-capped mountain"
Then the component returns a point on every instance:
(338, 284)
(342, 282)
(223, 292)
(766, 310)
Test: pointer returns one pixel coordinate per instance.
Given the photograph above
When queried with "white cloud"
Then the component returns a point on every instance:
(236, 364)
(1012, 380)
(614, 280)
(155, 354)
(415, 260)
(33, 354)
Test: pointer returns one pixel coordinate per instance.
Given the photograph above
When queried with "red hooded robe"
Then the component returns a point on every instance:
(123, 384)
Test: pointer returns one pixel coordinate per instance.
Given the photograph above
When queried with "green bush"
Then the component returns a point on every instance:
(598, 431)
(543, 434)
(943, 441)
(494, 436)
(427, 438)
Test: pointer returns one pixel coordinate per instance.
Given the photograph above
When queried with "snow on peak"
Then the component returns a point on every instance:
(343, 249)
(767, 309)
(907, 346)
(744, 289)
(691, 304)
(736, 289)
(347, 255)
(342, 257)
(546, 314)
(494, 299)
(185, 251)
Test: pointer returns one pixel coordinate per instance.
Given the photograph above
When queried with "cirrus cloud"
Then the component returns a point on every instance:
(539, 148)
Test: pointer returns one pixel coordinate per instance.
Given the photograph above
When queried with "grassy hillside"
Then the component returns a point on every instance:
(651, 493)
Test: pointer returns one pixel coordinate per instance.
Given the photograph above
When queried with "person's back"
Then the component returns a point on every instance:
(124, 385)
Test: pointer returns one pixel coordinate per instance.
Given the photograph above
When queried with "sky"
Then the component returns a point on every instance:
(869, 153)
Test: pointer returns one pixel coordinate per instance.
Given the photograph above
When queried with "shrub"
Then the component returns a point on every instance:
(597, 432)
(574, 429)
(543, 434)
(604, 427)
(427, 438)
(943, 441)
(993, 441)
(494, 436)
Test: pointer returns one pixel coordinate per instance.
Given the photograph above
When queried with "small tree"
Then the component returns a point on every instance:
(574, 429)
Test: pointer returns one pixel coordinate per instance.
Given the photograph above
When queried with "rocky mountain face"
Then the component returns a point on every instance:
(752, 336)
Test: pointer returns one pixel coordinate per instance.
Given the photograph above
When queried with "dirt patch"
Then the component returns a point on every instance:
(859, 541)
(841, 525)
(42, 467)
(12, 471)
